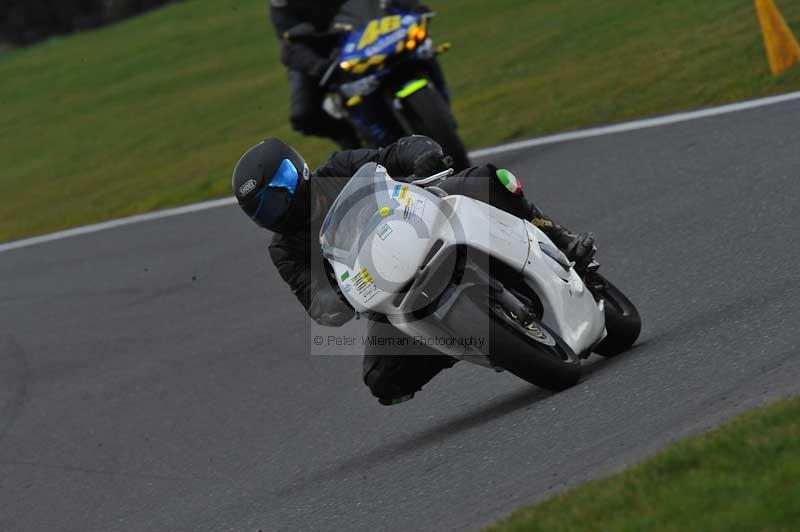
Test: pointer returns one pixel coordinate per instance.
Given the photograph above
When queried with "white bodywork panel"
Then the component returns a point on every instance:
(392, 254)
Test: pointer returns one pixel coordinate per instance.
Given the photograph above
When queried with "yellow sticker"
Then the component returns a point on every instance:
(378, 27)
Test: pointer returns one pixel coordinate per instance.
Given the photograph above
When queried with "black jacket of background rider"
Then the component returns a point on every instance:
(312, 57)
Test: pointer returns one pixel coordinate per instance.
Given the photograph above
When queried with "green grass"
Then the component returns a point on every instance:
(744, 476)
(155, 111)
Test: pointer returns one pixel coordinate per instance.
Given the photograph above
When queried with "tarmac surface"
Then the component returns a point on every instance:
(156, 376)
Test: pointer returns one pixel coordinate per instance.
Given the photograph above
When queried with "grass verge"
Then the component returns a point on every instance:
(154, 112)
(742, 476)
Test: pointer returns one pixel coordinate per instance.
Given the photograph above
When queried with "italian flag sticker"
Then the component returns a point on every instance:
(509, 181)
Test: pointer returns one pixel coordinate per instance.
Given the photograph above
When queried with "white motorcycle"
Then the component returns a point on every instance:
(472, 281)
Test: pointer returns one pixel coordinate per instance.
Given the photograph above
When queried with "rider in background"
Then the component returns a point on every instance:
(276, 190)
(306, 63)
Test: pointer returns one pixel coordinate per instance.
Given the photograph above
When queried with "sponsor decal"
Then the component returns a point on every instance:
(396, 37)
(383, 231)
(509, 181)
(377, 28)
(247, 187)
(414, 207)
(365, 285)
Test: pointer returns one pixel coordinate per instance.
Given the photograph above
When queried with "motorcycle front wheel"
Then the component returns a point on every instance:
(526, 348)
(429, 114)
(531, 351)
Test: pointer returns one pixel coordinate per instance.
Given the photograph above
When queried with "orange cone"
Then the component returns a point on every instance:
(783, 51)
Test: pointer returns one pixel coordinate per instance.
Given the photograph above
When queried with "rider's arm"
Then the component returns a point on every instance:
(292, 257)
(295, 55)
(399, 158)
(409, 5)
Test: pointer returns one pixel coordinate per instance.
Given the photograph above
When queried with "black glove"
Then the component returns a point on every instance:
(432, 162)
(330, 308)
(581, 250)
(318, 68)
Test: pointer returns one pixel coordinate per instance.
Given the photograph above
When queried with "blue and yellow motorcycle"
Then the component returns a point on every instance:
(384, 78)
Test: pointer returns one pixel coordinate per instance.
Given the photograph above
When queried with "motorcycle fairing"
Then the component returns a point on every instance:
(411, 87)
(570, 309)
(379, 37)
(396, 242)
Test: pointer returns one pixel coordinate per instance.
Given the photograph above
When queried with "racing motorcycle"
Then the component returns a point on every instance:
(448, 266)
(382, 77)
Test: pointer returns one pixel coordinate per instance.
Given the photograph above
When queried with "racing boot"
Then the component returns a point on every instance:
(579, 248)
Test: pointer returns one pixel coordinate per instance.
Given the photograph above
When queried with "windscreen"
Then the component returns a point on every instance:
(356, 13)
(358, 210)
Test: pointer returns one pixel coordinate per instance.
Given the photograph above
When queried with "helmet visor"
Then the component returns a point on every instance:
(272, 202)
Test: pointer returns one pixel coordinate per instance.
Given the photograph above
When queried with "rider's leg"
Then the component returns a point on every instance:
(500, 188)
(309, 118)
(579, 248)
(394, 368)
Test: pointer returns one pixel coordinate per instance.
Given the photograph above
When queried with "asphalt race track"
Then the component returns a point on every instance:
(155, 377)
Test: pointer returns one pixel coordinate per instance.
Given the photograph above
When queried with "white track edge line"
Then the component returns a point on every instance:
(503, 148)
(637, 124)
(118, 222)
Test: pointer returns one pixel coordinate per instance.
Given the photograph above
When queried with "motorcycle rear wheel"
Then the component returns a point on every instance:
(623, 322)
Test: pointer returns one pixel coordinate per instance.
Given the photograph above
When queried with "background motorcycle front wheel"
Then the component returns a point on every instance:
(429, 114)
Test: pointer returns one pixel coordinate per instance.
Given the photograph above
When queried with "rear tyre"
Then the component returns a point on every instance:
(429, 114)
(623, 322)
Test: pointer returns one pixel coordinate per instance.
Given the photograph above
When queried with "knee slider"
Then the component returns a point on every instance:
(381, 385)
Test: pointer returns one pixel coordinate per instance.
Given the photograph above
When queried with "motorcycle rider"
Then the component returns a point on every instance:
(274, 187)
(306, 62)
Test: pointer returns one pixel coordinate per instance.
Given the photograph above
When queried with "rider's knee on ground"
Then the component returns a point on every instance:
(394, 376)
(383, 382)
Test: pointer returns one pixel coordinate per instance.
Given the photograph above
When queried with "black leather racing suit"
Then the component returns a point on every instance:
(388, 373)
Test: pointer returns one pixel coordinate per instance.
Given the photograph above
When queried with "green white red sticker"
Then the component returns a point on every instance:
(509, 181)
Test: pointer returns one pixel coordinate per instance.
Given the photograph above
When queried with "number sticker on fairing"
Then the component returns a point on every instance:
(378, 27)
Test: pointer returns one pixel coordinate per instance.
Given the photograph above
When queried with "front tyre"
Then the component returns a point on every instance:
(623, 323)
(531, 351)
(526, 348)
(428, 114)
